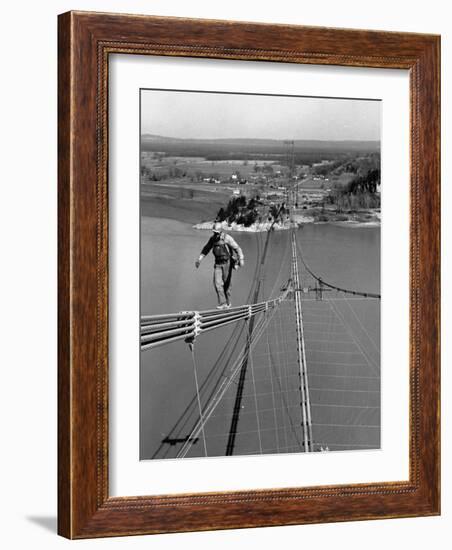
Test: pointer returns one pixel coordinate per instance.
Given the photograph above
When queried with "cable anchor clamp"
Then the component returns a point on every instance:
(196, 323)
(190, 340)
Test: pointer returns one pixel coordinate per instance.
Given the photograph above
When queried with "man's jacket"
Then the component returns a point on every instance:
(222, 248)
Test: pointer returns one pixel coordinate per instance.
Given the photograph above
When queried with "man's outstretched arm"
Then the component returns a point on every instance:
(207, 248)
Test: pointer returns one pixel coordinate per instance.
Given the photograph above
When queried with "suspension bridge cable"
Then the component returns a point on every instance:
(304, 386)
(224, 386)
(281, 342)
(162, 329)
(368, 359)
(334, 287)
(187, 325)
(233, 341)
(199, 399)
(239, 394)
(272, 391)
(185, 416)
(255, 402)
(362, 326)
(284, 400)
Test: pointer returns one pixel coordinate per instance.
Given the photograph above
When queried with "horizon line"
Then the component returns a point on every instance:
(258, 138)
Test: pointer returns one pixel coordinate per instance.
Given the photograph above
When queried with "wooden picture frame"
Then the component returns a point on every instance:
(86, 40)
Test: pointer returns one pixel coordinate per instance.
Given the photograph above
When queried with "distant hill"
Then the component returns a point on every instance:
(356, 145)
(256, 148)
(155, 137)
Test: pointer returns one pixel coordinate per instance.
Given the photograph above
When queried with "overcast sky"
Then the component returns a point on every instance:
(217, 115)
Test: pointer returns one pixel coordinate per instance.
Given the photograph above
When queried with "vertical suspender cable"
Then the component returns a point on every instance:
(199, 400)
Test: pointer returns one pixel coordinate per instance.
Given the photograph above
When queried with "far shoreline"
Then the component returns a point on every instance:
(201, 210)
(349, 224)
(368, 219)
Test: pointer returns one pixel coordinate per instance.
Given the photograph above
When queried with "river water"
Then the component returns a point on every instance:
(342, 345)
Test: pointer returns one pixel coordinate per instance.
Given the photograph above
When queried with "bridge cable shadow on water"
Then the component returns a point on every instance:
(241, 383)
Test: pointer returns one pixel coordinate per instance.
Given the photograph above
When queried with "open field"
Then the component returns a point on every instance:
(195, 166)
(305, 151)
(182, 178)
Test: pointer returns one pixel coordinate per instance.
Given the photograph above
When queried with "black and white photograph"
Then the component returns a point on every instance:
(260, 274)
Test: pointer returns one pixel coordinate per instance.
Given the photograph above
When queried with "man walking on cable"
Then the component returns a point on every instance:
(228, 256)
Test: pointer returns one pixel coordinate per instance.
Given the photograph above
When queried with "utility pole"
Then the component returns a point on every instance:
(290, 160)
